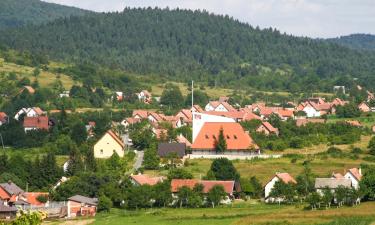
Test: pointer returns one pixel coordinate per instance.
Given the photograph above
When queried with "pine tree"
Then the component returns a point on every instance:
(221, 143)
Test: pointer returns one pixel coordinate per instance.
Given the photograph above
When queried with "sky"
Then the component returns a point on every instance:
(311, 18)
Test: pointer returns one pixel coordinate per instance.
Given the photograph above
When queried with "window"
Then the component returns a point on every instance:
(206, 136)
(228, 137)
(101, 151)
(235, 137)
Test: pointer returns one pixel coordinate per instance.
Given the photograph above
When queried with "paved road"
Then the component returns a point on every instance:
(139, 160)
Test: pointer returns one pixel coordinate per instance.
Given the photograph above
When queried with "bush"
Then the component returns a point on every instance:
(356, 150)
(105, 204)
(42, 198)
(334, 152)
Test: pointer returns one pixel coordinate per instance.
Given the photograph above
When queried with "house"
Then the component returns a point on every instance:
(310, 109)
(36, 123)
(237, 116)
(370, 96)
(28, 89)
(185, 116)
(64, 94)
(119, 96)
(304, 122)
(229, 186)
(32, 198)
(165, 149)
(364, 107)
(282, 177)
(238, 141)
(354, 123)
(9, 192)
(3, 118)
(130, 121)
(7, 212)
(79, 205)
(331, 183)
(196, 108)
(355, 176)
(219, 106)
(142, 179)
(144, 96)
(337, 175)
(108, 144)
(183, 140)
(29, 112)
(266, 128)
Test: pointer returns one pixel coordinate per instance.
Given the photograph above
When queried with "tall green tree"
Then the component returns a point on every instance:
(221, 143)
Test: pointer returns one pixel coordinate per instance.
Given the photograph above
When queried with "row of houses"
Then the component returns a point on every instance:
(350, 179)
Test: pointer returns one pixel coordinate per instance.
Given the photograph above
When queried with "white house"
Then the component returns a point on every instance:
(283, 177)
(64, 94)
(311, 111)
(355, 176)
(144, 96)
(29, 112)
(332, 183)
(219, 106)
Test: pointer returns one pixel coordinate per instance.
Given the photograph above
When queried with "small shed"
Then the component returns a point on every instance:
(79, 205)
(7, 212)
(167, 148)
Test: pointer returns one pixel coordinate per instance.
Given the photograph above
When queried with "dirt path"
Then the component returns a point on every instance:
(71, 222)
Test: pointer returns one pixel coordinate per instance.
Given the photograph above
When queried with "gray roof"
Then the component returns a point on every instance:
(12, 188)
(332, 183)
(165, 148)
(84, 199)
(4, 208)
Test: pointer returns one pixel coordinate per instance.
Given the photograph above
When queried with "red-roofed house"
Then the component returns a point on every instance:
(354, 123)
(337, 175)
(142, 179)
(219, 106)
(267, 129)
(196, 108)
(229, 186)
(36, 123)
(32, 198)
(29, 112)
(29, 89)
(183, 140)
(355, 175)
(144, 96)
(108, 144)
(283, 177)
(363, 107)
(3, 118)
(238, 141)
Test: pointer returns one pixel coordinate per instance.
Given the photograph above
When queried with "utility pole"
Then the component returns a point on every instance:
(192, 94)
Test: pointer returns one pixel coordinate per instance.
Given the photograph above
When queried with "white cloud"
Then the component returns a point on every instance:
(313, 18)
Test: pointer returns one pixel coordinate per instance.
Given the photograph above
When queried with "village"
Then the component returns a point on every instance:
(217, 131)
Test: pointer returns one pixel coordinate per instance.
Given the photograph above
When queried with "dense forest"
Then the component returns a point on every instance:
(356, 41)
(16, 13)
(183, 45)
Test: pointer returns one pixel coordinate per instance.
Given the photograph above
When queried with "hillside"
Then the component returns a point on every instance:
(356, 41)
(183, 45)
(15, 13)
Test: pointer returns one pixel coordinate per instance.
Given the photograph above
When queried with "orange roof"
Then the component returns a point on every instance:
(238, 115)
(285, 113)
(31, 197)
(183, 140)
(355, 123)
(3, 117)
(286, 178)
(30, 89)
(141, 113)
(337, 175)
(132, 120)
(40, 122)
(176, 184)
(235, 136)
(197, 108)
(356, 173)
(144, 179)
(269, 127)
(226, 105)
(38, 110)
(116, 138)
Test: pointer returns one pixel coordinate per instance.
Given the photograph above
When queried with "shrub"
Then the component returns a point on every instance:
(334, 152)
(42, 198)
(356, 150)
(105, 204)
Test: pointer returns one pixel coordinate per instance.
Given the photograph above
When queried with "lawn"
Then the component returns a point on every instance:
(45, 78)
(240, 213)
(368, 120)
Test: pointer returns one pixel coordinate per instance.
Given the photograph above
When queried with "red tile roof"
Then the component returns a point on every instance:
(235, 136)
(40, 122)
(303, 122)
(226, 105)
(237, 115)
(181, 139)
(142, 179)
(337, 175)
(3, 117)
(30, 89)
(269, 127)
(354, 123)
(176, 184)
(116, 138)
(31, 197)
(197, 108)
(141, 113)
(356, 173)
(286, 178)
(38, 110)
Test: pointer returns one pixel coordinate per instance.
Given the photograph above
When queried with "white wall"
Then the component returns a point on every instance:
(269, 186)
(311, 112)
(200, 118)
(354, 180)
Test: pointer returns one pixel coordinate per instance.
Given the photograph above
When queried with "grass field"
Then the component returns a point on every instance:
(240, 213)
(366, 120)
(45, 78)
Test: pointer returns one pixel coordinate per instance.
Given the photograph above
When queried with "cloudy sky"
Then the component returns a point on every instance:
(312, 18)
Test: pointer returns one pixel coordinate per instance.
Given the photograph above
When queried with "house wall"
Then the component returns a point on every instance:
(233, 152)
(311, 112)
(105, 146)
(209, 107)
(221, 108)
(262, 129)
(268, 188)
(355, 182)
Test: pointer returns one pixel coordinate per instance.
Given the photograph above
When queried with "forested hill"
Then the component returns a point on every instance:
(356, 41)
(185, 44)
(15, 13)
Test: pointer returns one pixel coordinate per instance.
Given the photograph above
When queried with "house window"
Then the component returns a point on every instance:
(101, 151)
(235, 137)
(206, 136)
(228, 137)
